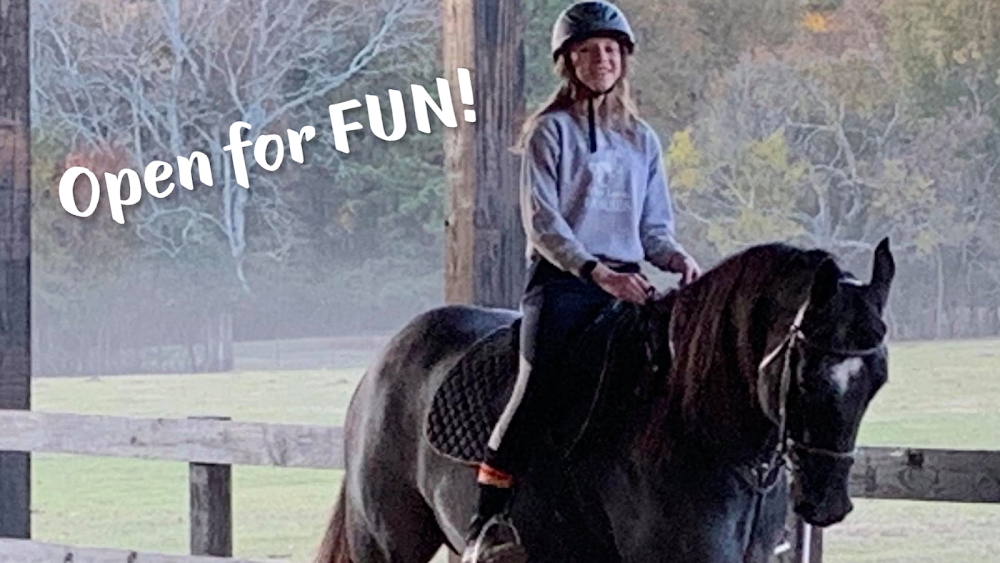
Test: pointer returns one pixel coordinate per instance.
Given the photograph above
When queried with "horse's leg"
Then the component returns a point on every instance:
(388, 518)
(355, 535)
(406, 534)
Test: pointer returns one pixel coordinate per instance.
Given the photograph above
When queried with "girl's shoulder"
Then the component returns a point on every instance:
(554, 119)
(646, 137)
(551, 126)
(645, 131)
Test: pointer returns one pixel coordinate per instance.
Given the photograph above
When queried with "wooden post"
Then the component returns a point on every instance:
(806, 541)
(791, 554)
(211, 507)
(15, 251)
(219, 341)
(483, 233)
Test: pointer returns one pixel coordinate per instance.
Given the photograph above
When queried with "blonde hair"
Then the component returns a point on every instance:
(618, 112)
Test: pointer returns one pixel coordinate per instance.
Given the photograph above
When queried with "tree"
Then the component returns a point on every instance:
(813, 141)
(165, 77)
(946, 52)
(771, 157)
(159, 79)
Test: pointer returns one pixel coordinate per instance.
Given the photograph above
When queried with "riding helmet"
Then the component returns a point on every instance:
(587, 19)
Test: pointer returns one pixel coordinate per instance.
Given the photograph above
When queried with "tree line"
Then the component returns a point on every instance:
(828, 123)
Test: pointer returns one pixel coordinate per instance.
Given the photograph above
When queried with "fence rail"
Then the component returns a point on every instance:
(26, 551)
(211, 445)
(927, 475)
(194, 439)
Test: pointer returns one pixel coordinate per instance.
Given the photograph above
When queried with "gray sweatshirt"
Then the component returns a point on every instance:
(578, 206)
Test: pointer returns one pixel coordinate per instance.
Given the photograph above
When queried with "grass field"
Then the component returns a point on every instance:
(142, 505)
(939, 395)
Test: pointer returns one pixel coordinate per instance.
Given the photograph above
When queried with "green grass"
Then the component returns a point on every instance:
(142, 505)
(939, 395)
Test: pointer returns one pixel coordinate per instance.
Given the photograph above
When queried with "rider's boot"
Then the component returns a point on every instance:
(491, 537)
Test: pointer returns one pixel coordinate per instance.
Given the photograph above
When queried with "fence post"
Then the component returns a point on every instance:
(806, 542)
(809, 539)
(15, 257)
(211, 506)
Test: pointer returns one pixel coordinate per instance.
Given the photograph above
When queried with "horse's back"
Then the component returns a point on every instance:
(425, 347)
(383, 445)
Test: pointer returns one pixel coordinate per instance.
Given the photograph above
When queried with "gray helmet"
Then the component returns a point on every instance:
(590, 19)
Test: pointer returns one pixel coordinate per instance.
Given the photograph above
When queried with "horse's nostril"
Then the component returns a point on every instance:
(822, 515)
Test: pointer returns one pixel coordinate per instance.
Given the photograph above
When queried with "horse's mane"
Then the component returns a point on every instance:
(719, 329)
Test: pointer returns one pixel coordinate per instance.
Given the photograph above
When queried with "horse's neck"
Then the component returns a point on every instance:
(731, 435)
(717, 411)
(646, 424)
(638, 494)
(626, 483)
(735, 434)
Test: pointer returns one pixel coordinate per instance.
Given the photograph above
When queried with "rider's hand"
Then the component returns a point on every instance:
(627, 287)
(683, 264)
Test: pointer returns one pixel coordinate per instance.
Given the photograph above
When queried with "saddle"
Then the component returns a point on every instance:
(475, 391)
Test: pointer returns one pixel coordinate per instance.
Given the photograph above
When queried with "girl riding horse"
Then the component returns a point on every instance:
(594, 203)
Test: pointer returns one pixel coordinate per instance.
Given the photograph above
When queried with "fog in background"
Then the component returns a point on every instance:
(822, 123)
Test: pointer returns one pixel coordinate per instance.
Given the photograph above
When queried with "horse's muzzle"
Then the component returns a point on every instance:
(826, 513)
(820, 489)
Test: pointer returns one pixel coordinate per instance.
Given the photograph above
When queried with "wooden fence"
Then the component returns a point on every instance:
(919, 474)
(211, 446)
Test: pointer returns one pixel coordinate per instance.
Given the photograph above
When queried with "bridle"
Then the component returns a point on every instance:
(763, 475)
(797, 338)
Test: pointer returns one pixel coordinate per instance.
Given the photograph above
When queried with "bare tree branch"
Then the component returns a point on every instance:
(162, 78)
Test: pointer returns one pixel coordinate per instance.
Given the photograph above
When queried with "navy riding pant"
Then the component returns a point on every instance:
(556, 308)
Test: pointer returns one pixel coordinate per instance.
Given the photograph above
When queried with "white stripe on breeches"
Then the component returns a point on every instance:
(523, 373)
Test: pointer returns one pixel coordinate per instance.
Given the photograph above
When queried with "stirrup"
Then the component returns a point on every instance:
(496, 521)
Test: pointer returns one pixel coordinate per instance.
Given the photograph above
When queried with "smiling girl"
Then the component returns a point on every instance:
(594, 203)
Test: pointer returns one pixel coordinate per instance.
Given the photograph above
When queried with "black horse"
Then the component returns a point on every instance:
(773, 355)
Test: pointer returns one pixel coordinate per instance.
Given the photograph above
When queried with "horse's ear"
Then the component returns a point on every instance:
(883, 270)
(825, 283)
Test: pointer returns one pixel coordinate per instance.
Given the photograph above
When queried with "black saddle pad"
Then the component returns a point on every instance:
(475, 392)
(473, 395)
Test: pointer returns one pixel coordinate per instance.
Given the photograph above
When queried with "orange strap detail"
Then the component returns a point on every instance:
(494, 477)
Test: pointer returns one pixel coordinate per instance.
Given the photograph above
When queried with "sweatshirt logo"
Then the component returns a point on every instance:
(609, 185)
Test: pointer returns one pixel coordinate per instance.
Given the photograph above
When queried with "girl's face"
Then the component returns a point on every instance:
(597, 62)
